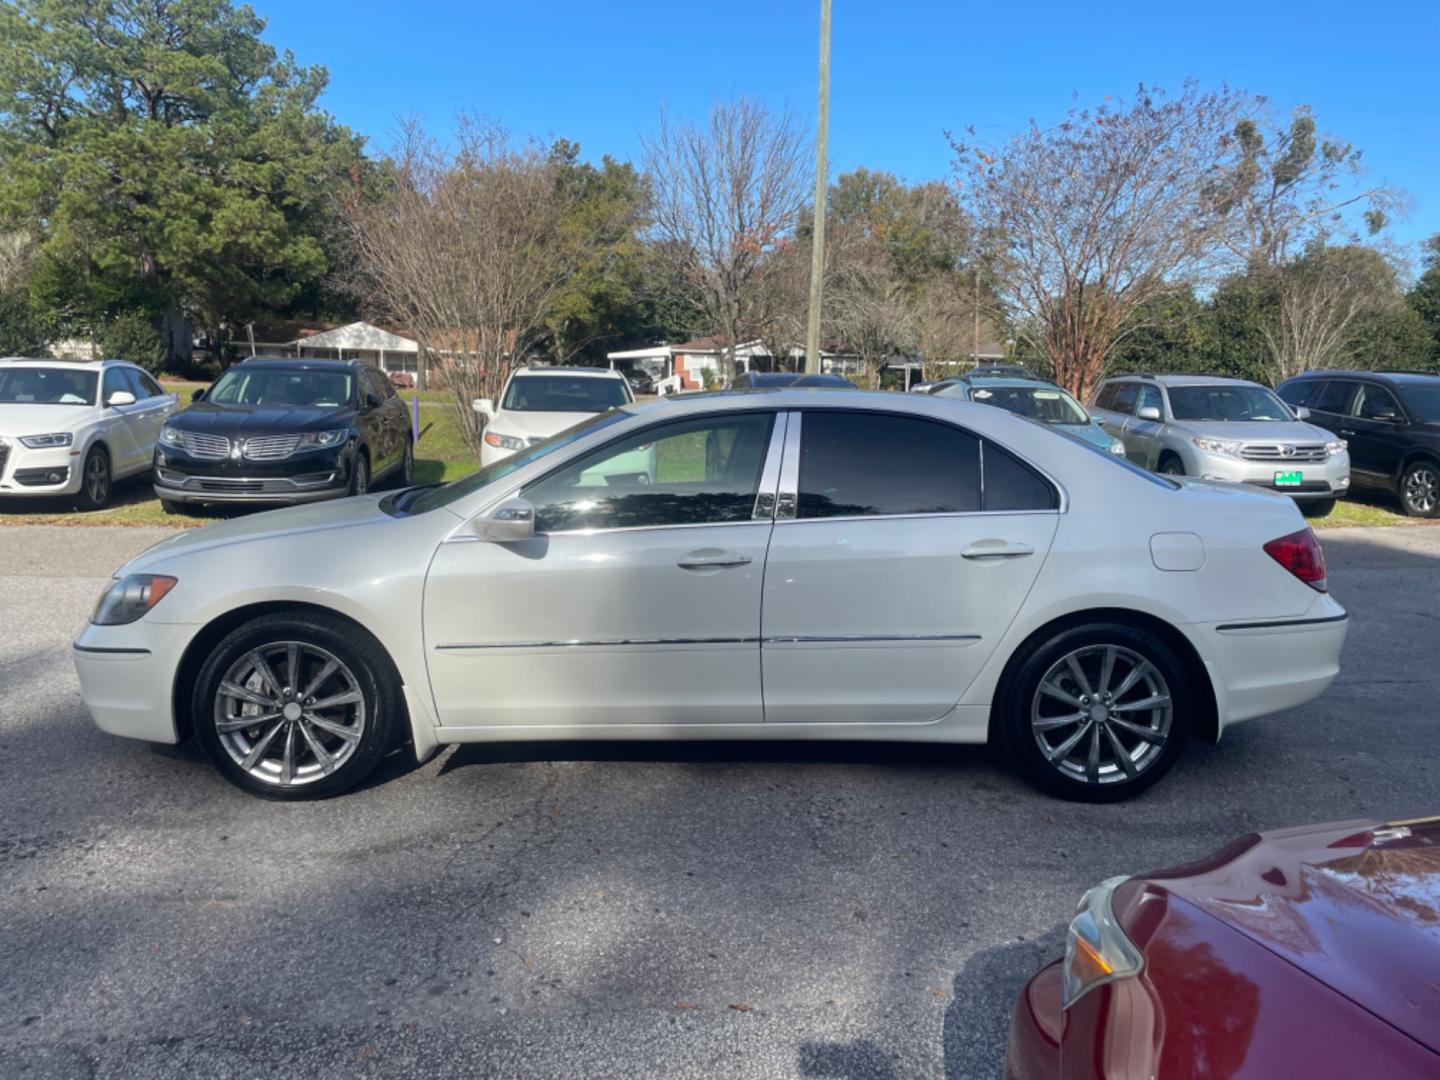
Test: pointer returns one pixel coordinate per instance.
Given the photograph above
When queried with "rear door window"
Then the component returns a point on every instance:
(1126, 395)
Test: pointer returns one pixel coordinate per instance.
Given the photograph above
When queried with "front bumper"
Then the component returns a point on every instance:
(52, 471)
(302, 478)
(127, 676)
(1328, 479)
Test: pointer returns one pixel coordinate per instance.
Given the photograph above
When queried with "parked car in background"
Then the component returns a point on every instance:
(70, 428)
(1391, 421)
(755, 380)
(641, 382)
(1032, 396)
(1301, 952)
(285, 431)
(1227, 430)
(786, 565)
(539, 402)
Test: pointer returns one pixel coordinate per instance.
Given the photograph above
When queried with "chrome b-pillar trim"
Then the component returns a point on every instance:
(787, 502)
(770, 474)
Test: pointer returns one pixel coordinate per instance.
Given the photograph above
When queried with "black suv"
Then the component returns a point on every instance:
(1391, 419)
(285, 431)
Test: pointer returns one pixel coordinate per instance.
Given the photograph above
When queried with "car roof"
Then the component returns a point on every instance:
(305, 363)
(1009, 381)
(585, 372)
(1183, 380)
(1401, 377)
(70, 364)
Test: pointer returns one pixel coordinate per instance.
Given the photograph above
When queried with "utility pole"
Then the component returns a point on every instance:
(975, 313)
(817, 251)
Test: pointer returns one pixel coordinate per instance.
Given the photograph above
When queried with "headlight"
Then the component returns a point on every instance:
(1096, 948)
(1116, 446)
(504, 442)
(172, 436)
(130, 598)
(318, 440)
(1336, 447)
(45, 442)
(1218, 446)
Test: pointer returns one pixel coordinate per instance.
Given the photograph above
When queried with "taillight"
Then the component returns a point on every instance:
(1301, 554)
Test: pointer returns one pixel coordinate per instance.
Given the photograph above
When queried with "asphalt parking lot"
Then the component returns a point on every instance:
(606, 910)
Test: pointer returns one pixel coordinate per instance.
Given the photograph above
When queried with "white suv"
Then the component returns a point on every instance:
(73, 428)
(540, 402)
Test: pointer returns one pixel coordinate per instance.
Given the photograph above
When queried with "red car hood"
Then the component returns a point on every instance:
(1355, 904)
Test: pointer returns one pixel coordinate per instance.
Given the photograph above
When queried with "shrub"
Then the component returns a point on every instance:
(133, 336)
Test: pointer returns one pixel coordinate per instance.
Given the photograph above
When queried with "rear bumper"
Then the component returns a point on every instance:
(1033, 1050)
(1264, 666)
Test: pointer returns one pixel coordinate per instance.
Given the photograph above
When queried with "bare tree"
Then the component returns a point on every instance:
(725, 195)
(1293, 186)
(869, 304)
(1320, 302)
(1103, 213)
(464, 249)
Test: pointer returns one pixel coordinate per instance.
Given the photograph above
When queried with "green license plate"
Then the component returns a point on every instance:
(1289, 479)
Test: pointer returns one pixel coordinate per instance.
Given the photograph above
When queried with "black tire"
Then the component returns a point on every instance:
(360, 474)
(405, 474)
(1016, 702)
(1317, 508)
(96, 481)
(364, 668)
(1170, 465)
(1420, 489)
(170, 506)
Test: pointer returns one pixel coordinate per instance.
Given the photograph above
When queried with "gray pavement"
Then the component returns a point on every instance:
(605, 911)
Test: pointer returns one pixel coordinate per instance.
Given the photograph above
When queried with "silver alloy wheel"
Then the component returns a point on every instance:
(362, 475)
(289, 713)
(1422, 489)
(1102, 714)
(97, 479)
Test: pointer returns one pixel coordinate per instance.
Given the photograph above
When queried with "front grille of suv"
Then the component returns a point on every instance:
(271, 447)
(1300, 453)
(207, 446)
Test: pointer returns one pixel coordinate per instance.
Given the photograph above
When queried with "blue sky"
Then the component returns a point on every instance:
(903, 71)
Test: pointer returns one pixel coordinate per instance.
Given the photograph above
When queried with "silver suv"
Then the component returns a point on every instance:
(1224, 429)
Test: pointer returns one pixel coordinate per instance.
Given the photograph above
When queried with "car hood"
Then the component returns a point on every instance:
(536, 425)
(308, 518)
(1354, 904)
(250, 420)
(18, 420)
(1257, 431)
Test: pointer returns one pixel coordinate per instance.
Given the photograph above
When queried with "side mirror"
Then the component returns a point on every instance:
(198, 394)
(1301, 413)
(1386, 417)
(512, 520)
(484, 406)
(120, 397)
(1148, 412)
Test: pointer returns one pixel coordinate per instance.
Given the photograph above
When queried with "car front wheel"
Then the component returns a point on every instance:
(95, 481)
(297, 706)
(1095, 713)
(360, 474)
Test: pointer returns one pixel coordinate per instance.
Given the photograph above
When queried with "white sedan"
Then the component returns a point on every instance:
(800, 565)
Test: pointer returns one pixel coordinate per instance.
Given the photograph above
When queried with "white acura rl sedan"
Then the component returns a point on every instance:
(789, 564)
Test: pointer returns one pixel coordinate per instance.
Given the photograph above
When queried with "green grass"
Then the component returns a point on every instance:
(1373, 508)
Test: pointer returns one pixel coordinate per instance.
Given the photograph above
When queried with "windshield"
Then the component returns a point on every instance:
(1424, 402)
(282, 387)
(564, 393)
(47, 386)
(446, 494)
(1219, 402)
(1050, 404)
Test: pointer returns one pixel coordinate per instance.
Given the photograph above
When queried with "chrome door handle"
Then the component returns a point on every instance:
(712, 561)
(1346, 431)
(996, 549)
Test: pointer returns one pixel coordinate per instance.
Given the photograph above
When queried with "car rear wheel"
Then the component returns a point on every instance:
(1317, 508)
(1420, 489)
(95, 480)
(1095, 713)
(297, 706)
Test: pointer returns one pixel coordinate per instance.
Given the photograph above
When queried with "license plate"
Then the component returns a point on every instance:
(1289, 479)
